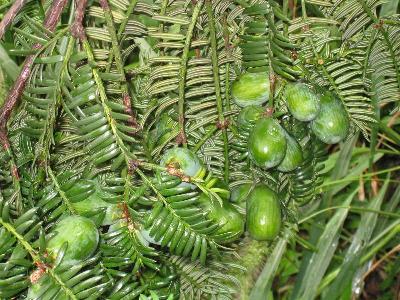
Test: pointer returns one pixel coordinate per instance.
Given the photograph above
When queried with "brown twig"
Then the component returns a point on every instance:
(10, 15)
(128, 109)
(379, 262)
(50, 22)
(77, 29)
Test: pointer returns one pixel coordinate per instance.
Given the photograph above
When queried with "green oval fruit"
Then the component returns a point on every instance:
(263, 214)
(301, 101)
(227, 216)
(184, 159)
(251, 89)
(249, 114)
(81, 235)
(293, 157)
(267, 143)
(240, 193)
(332, 123)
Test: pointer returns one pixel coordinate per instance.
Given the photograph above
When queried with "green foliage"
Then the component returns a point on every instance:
(97, 115)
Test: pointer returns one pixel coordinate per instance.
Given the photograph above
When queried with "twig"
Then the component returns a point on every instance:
(10, 15)
(127, 101)
(50, 22)
(379, 262)
(77, 29)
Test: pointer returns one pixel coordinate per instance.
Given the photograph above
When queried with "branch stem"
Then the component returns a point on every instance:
(50, 22)
(183, 71)
(10, 15)
(215, 67)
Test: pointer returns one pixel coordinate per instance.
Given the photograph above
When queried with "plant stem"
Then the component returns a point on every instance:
(78, 31)
(214, 58)
(183, 72)
(36, 257)
(121, 29)
(50, 22)
(10, 16)
(61, 192)
(119, 63)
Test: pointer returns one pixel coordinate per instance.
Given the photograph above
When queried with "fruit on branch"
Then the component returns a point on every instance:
(249, 115)
(240, 193)
(81, 235)
(182, 159)
(293, 157)
(332, 123)
(267, 143)
(230, 220)
(301, 101)
(245, 121)
(263, 213)
(251, 89)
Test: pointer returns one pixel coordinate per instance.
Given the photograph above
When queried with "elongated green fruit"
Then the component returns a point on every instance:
(293, 157)
(81, 235)
(230, 220)
(251, 89)
(263, 214)
(332, 123)
(267, 143)
(301, 101)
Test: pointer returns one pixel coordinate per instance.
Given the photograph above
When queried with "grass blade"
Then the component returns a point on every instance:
(355, 251)
(306, 288)
(264, 281)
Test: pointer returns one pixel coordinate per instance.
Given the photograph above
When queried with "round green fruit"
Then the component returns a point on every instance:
(263, 214)
(81, 235)
(332, 123)
(184, 159)
(251, 89)
(267, 143)
(293, 157)
(249, 114)
(301, 101)
(231, 221)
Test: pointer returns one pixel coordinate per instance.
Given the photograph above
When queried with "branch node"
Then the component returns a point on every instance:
(223, 125)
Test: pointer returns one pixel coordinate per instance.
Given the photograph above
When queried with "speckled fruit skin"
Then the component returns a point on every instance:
(81, 235)
(249, 114)
(185, 159)
(332, 123)
(267, 143)
(251, 89)
(293, 157)
(301, 101)
(263, 214)
(226, 215)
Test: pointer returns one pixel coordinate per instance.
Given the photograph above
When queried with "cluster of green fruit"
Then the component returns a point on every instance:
(269, 144)
(262, 206)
